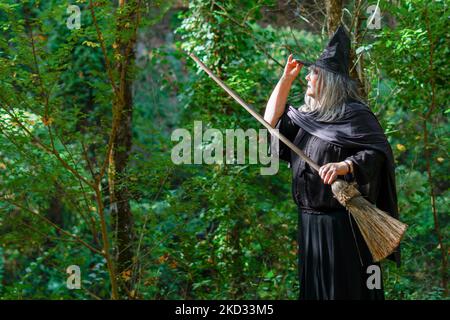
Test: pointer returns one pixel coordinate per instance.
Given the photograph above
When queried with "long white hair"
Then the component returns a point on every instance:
(332, 90)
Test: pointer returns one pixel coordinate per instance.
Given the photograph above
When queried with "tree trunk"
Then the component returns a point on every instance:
(122, 217)
(55, 209)
(357, 64)
(334, 13)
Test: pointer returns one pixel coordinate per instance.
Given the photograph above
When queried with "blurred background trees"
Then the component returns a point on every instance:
(86, 117)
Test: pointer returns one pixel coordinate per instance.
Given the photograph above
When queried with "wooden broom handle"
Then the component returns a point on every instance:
(255, 114)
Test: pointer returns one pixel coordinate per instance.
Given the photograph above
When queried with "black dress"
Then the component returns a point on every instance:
(333, 257)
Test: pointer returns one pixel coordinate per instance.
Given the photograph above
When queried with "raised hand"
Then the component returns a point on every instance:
(292, 69)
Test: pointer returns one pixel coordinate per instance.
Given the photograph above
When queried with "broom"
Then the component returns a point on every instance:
(381, 232)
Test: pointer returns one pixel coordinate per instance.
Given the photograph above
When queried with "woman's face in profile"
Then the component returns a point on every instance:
(312, 77)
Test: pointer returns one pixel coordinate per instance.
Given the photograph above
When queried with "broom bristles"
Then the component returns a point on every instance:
(381, 232)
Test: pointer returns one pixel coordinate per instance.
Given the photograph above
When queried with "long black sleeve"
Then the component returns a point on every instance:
(366, 165)
(287, 128)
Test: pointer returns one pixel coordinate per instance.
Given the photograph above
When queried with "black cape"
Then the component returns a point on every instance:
(358, 128)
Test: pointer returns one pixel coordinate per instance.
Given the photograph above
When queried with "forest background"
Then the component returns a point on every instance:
(86, 116)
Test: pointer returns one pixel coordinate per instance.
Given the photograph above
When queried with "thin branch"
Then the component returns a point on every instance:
(86, 158)
(105, 240)
(225, 12)
(50, 150)
(48, 221)
(428, 156)
(55, 180)
(102, 44)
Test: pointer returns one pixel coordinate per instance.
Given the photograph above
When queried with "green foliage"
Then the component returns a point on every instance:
(203, 231)
(404, 94)
(55, 118)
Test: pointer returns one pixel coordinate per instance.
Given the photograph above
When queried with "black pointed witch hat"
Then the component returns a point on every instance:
(336, 56)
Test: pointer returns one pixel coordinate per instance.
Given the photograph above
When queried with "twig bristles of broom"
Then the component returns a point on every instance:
(381, 232)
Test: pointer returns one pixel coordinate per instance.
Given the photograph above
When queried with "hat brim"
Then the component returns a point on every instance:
(305, 63)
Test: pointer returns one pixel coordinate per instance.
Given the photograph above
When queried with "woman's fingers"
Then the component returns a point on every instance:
(327, 173)
(293, 62)
(292, 68)
(298, 67)
(330, 177)
(327, 176)
(323, 171)
(290, 63)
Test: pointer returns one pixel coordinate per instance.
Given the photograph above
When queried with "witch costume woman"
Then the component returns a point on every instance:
(334, 262)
